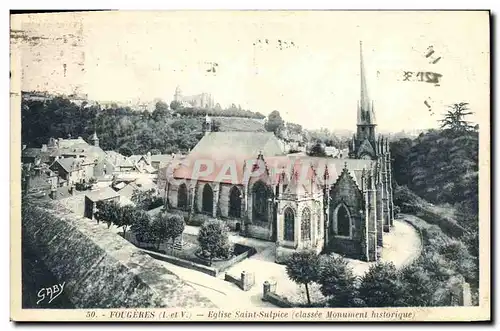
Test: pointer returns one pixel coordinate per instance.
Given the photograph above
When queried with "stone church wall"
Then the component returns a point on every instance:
(346, 191)
(224, 199)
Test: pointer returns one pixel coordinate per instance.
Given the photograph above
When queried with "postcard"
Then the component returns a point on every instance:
(250, 166)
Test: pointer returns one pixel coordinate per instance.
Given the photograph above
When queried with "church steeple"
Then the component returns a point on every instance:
(366, 115)
(364, 144)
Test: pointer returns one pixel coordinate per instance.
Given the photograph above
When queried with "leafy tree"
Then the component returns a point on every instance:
(274, 122)
(317, 150)
(159, 230)
(146, 200)
(107, 211)
(214, 240)
(380, 286)
(175, 227)
(399, 151)
(161, 110)
(460, 259)
(127, 216)
(337, 281)
(302, 268)
(142, 228)
(175, 105)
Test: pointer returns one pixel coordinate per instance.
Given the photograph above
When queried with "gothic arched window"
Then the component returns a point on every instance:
(289, 225)
(259, 202)
(182, 198)
(305, 224)
(208, 199)
(343, 221)
(235, 202)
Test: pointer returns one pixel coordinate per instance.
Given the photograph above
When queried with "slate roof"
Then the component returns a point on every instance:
(70, 164)
(136, 158)
(102, 194)
(222, 145)
(142, 185)
(78, 146)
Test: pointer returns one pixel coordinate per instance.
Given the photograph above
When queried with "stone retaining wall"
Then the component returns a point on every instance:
(100, 268)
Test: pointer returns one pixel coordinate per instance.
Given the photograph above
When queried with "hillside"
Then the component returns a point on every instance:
(239, 124)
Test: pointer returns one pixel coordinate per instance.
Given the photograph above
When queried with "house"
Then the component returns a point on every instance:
(140, 184)
(91, 198)
(142, 163)
(73, 170)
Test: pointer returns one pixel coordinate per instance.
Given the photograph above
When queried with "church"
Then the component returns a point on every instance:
(299, 202)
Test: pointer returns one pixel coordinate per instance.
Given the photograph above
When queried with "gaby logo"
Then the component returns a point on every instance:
(50, 293)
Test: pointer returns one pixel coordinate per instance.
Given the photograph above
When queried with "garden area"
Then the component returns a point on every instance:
(161, 235)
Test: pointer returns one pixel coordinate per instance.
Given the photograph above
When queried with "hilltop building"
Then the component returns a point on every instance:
(202, 100)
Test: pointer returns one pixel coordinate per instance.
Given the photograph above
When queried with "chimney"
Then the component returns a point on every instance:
(24, 147)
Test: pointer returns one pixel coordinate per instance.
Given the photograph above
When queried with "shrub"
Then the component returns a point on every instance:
(337, 281)
(198, 219)
(460, 260)
(214, 240)
(418, 286)
(380, 286)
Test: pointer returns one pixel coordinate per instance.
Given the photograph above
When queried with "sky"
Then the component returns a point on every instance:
(314, 82)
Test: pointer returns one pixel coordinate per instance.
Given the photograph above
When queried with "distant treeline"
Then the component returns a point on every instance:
(121, 129)
(232, 111)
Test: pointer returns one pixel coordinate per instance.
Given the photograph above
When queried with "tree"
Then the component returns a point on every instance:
(274, 122)
(127, 216)
(454, 120)
(214, 240)
(107, 211)
(460, 260)
(159, 230)
(317, 150)
(161, 110)
(380, 286)
(175, 227)
(175, 105)
(142, 228)
(418, 287)
(146, 199)
(301, 267)
(337, 281)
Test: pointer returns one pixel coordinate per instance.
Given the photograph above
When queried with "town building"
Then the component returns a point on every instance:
(297, 201)
(202, 100)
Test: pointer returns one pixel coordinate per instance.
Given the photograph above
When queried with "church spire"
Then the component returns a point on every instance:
(365, 106)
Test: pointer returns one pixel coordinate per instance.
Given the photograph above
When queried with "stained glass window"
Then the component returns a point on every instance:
(305, 225)
(289, 225)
